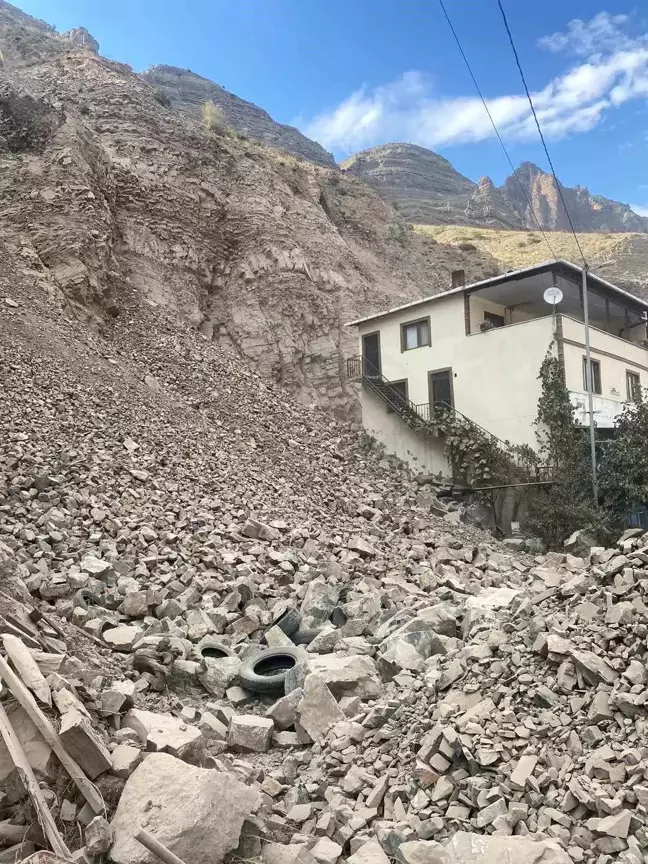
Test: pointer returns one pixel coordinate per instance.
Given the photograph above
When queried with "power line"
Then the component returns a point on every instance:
(499, 137)
(537, 123)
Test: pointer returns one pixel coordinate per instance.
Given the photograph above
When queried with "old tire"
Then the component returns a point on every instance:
(210, 649)
(266, 672)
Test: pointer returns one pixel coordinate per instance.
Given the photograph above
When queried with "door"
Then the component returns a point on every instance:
(440, 386)
(371, 355)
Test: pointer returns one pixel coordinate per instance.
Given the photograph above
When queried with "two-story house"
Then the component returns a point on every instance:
(478, 348)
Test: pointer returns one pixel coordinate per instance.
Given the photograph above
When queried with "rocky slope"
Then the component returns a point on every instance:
(421, 184)
(620, 258)
(188, 92)
(427, 189)
(109, 196)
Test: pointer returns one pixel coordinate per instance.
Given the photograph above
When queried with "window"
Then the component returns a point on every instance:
(596, 376)
(633, 386)
(399, 394)
(493, 319)
(440, 384)
(415, 334)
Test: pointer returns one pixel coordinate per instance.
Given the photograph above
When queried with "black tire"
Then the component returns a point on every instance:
(305, 636)
(289, 621)
(210, 649)
(85, 597)
(266, 672)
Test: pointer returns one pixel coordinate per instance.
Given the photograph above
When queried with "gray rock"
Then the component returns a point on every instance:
(317, 710)
(347, 676)
(464, 848)
(176, 803)
(250, 733)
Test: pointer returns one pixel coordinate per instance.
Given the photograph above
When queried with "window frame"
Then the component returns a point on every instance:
(404, 381)
(432, 372)
(596, 365)
(416, 321)
(630, 397)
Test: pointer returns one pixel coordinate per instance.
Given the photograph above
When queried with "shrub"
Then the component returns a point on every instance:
(212, 116)
(467, 247)
(162, 97)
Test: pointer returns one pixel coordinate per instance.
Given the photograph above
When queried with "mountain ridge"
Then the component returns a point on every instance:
(428, 190)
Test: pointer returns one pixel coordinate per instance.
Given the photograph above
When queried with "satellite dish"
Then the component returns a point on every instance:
(553, 295)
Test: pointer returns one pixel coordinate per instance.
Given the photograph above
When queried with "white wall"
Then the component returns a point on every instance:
(424, 455)
(495, 374)
(615, 355)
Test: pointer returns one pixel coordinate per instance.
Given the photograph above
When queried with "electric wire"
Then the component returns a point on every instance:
(537, 123)
(497, 133)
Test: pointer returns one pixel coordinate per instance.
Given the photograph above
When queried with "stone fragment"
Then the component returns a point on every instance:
(370, 852)
(250, 733)
(124, 637)
(163, 733)
(177, 803)
(465, 848)
(98, 837)
(615, 825)
(348, 676)
(125, 759)
(217, 674)
(82, 743)
(317, 710)
(522, 771)
(326, 851)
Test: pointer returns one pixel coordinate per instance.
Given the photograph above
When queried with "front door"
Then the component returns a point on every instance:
(371, 355)
(440, 384)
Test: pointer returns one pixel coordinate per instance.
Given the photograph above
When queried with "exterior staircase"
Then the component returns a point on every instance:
(425, 418)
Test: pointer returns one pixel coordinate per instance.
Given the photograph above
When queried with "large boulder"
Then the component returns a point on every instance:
(197, 813)
(347, 676)
(466, 848)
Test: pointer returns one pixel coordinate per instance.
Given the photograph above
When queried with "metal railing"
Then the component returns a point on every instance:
(427, 416)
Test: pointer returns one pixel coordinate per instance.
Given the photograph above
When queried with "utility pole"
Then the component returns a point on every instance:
(589, 381)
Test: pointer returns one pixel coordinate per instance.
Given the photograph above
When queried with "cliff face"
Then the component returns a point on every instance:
(423, 186)
(188, 92)
(427, 190)
(114, 201)
(588, 212)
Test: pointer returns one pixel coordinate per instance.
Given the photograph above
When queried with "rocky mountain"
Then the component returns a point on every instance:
(428, 190)
(188, 92)
(423, 186)
(110, 198)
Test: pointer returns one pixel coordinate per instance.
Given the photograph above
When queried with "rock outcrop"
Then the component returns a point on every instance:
(187, 92)
(427, 190)
(423, 186)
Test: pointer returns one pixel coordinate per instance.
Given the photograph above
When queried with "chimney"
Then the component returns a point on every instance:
(458, 278)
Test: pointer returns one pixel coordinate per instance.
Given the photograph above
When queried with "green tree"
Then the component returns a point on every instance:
(623, 478)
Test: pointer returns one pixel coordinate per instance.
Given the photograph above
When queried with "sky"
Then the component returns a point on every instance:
(356, 73)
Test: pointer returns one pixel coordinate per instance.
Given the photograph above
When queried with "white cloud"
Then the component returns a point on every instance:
(614, 72)
(640, 209)
(601, 34)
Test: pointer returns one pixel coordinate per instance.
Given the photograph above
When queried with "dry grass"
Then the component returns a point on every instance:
(525, 248)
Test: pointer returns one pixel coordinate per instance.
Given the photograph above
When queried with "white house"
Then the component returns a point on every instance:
(479, 348)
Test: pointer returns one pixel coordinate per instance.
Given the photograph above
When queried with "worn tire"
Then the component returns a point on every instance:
(305, 636)
(266, 672)
(85, 597)
(210, 649)
(289, 621)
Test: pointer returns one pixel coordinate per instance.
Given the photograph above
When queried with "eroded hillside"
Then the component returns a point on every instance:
(109, 196)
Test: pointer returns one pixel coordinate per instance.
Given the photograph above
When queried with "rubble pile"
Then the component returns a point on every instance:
(169, 523)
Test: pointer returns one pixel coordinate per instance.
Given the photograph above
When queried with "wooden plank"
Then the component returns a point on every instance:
(27, 668)
(25, 698)
(158, 849)
(31, 785)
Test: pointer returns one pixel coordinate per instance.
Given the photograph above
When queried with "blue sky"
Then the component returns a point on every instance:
(356, 73)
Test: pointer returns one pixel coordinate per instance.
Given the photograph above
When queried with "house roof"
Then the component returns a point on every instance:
(512, 275)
